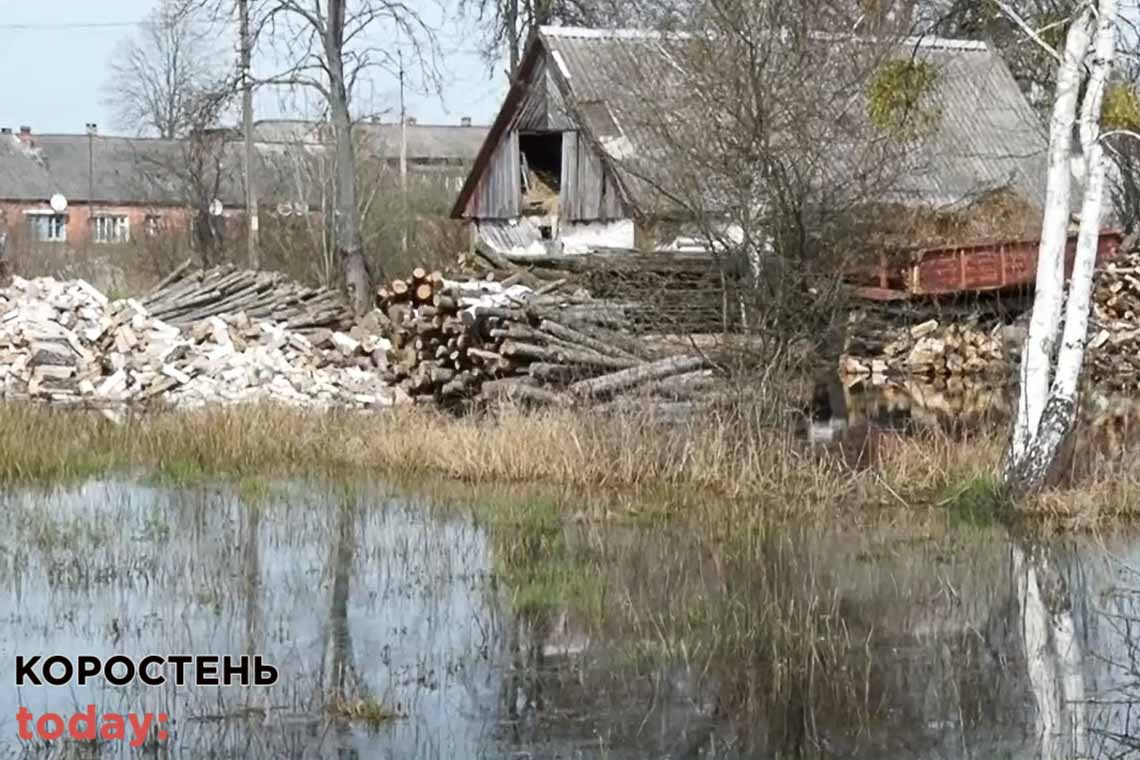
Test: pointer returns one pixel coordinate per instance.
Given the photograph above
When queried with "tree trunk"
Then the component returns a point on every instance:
(349, 247)
(251, 215)
(1029, 465)
(514, 36)
(1053, 654)
(639, 375)
(5, 262)
(1037, 357)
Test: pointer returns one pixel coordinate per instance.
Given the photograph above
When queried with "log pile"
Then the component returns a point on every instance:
(482, 339)
(666, 292)
(1113, 357)
(64, 342)
(188, 296)
(931, 349)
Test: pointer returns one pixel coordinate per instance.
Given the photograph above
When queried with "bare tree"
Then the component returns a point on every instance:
(1031, 63)
(324, 41)
(507, 24)
(195, 169)
(759, 144)
(157, 76)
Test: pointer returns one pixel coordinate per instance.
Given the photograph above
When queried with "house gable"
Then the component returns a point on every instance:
(539, 148)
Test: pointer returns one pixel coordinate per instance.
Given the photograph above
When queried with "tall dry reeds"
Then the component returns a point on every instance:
(727, 454)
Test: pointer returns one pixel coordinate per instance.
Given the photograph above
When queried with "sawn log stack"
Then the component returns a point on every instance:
(454, 341)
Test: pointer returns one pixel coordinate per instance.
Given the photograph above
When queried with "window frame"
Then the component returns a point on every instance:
(47, 226)
(119, 226)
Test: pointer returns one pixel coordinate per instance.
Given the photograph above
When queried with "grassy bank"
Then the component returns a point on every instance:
(731, 457)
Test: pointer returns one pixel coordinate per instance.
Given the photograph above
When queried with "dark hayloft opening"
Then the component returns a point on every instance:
(541, 163)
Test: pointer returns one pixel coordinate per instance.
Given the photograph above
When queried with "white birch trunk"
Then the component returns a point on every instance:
(1053, 659)
(1038, 662)
(1071, 356)
(1037, 356)
(1041, 428)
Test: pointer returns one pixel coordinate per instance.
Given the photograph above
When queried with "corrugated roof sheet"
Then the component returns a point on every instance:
(987, 138)
(426, 142)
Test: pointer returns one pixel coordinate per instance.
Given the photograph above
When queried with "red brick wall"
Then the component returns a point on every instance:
(176, 220)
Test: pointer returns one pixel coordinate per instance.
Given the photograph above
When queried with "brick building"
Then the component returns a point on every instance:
(113, 190)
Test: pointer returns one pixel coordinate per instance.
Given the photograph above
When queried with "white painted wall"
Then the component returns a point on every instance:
(579, 237)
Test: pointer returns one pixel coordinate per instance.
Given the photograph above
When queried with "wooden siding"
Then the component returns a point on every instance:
(499, 191)
(589, 192)
(532, 110)
(568, 194)
(543, 108)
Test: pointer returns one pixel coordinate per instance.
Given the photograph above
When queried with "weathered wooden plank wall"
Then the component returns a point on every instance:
(499, 192)
(569, 193)
(543, 108)
(588, 190)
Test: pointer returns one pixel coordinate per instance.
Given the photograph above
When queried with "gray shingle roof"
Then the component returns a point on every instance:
(22, 174)
(144, 171)
(111, 169)
(987, 138)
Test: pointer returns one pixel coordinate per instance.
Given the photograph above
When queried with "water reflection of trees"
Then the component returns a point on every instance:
(798, 645)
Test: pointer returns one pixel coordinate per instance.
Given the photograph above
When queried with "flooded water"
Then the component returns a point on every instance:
(403, 629)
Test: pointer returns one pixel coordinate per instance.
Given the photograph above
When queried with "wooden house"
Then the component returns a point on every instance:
(554, 172)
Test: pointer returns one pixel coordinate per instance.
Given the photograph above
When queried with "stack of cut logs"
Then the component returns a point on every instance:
(1114, 339)
(187, 296)
(930, 349)
(662, 291)
(484, 339)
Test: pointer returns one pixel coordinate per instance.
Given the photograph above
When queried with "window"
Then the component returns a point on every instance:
(111, 229)
(48, 227)
(154, 225)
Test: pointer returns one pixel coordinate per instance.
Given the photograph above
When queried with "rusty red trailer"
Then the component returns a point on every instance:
(974, 268)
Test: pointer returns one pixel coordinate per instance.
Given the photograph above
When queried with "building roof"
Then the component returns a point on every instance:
(22, 174)
(105, 169)
(987, 137)
(426, 142)
(145, 171)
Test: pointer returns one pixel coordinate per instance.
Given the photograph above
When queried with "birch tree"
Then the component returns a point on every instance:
(324, 41)
(1050, 371)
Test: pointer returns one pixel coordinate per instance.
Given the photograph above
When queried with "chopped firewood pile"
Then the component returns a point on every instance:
(64, 342)
(930, 349)
(482, 339)
(1113, 358)
(965, 348)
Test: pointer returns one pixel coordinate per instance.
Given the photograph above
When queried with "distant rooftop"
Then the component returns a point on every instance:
(426, 142)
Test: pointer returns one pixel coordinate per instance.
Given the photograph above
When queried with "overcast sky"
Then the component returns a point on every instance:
(53, 65)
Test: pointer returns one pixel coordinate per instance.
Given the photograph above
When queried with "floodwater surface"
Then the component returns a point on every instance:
(404, 629)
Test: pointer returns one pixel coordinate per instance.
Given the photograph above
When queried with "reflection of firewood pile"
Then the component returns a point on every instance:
(934, 403)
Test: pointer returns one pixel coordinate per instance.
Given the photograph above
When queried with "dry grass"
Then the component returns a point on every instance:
(727, 455)
(745, 465)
